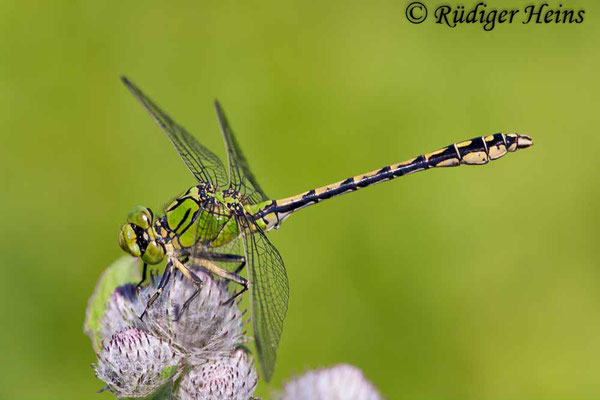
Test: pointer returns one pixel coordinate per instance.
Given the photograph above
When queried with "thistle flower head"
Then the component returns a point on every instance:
(200, 348)
(225, 378)
(207, 327)
(134, 363)
(122, 311)
(197, 356)
(339, 382)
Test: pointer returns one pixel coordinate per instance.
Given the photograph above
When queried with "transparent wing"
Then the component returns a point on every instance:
(209, 221)
(241, 178)
(269, 293)
(203, 163)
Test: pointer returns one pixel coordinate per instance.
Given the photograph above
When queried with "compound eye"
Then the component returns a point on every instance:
(140, 216)
(154, 253)
(128, 240)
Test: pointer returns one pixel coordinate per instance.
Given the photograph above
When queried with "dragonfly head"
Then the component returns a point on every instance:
(138, 237)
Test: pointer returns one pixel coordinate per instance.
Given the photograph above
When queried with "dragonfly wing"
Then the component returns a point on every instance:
(203, 163)
(240, 177)
(269, 294)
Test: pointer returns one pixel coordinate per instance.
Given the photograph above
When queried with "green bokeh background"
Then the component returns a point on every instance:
(460, 283)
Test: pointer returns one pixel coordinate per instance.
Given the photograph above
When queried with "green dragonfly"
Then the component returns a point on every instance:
(220, 223)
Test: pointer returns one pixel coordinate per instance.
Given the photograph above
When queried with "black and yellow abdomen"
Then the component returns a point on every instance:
(476, 151)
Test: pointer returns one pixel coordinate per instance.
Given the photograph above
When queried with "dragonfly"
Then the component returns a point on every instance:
(219, 224)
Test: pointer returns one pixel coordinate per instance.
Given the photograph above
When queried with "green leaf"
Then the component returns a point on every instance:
(122, 271)
(169, 372)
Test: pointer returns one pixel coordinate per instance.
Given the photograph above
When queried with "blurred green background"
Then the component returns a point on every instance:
(459, 283)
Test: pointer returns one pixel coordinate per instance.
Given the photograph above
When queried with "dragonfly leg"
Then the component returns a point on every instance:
(161, 285)
(144, 274)
(232, 258)
(207, 263)
(190, 275)
(230, 276)
(237, 294)
(240, 267)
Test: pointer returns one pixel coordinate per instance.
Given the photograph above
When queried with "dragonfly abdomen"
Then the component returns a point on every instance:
(476, 151)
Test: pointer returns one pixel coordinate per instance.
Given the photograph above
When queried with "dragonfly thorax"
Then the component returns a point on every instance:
(201, 216)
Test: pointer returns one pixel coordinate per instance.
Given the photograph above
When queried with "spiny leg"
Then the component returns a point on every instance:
(242, 261)
(237, 294)
(230, 276)
(244, 287)
(240, 267)
(144, 274)
(232, 258)
(163, 282)
(190, 275)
